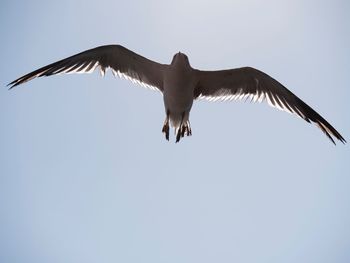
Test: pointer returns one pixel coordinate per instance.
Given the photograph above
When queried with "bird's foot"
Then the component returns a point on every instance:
(165, 130)
(184, 129)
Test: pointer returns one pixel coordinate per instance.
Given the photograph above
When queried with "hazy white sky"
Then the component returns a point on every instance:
(87, 176)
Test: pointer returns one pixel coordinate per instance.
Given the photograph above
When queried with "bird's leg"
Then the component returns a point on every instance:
(185, 130)
(165, 129)
(178, 135)
(181, 130)
(188, 130)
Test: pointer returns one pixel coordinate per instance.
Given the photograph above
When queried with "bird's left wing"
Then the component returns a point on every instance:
(122, 61)
(250, 83)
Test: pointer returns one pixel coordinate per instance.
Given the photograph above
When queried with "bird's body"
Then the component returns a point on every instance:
(181, 84)
(178, 91)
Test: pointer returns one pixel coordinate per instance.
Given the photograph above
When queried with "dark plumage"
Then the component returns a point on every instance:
(181, 84)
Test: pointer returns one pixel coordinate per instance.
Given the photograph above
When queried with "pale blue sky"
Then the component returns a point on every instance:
(87, 176)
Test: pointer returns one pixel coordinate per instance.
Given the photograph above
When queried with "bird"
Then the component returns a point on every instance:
(180, 85)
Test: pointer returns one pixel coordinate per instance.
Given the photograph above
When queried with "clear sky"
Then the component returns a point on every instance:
(87, 176)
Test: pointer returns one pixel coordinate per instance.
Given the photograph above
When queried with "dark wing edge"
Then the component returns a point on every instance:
(254, 85)
(123, 62)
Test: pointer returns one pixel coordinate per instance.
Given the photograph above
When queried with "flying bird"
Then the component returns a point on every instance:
(180, 85)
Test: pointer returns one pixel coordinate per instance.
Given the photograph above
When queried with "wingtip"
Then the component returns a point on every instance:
(16, 82)
(340, 138)
(11, 85)
(330, 137)
(343, 140)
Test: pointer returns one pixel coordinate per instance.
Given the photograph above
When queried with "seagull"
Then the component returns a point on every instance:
(180, 85)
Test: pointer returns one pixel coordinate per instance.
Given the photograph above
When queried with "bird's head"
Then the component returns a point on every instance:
(180, 59)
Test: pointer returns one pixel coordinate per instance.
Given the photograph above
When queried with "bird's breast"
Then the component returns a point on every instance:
(178, 90)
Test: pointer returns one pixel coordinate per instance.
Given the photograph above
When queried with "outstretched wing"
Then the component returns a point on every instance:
(122, 61)
(250, 83)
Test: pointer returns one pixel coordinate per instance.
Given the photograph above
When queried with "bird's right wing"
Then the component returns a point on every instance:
(122, 61)
(251, 83)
